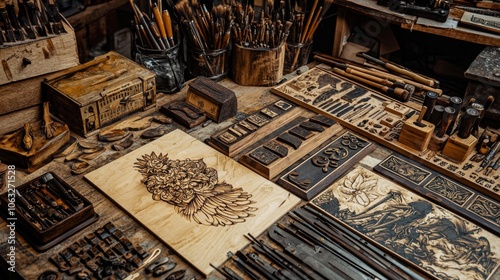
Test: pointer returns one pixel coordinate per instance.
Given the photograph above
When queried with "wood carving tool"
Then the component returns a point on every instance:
(418, 122)
(429, 101)
(382, 81)
(494, 165)
(161, 25)
(167, 21)
(332, 61)
(49, 180)
(437, 114)
(467, 122)
(338, 109)
(361, 113)
(486, 106)
(456, 103)
(397, 69)
(335, 105)
(327, 103)
(447, 116)
(489, 156)
(356, 110)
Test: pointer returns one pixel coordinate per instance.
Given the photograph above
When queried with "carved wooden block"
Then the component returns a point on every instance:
(426, 236)
(183, 113)
(464, 201)
(275, 158)
(459, 149)
(322, 92)
(256, 126)
(95, 94)
(219, 103)
(218, 202)
(312, 175)
(415, 136)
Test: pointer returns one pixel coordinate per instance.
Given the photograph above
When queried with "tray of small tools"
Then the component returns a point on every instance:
(46, 210)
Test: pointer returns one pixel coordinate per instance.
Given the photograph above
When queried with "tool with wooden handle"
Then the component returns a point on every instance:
(397, 69)
(456, 103)
(429, 102)
(419, 122)
(486, 106)
(467, 122)
(167, 21)
(397, 93)
(437, 115)
(329, 60)
(161, 25)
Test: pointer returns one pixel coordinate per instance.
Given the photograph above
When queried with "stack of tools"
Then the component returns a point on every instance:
(157, 46)
(265, 31)
(463, 137)
(394, 81)
(302, 31)
(21, 21)
(311, 245)
(154, 31)
(208, 34)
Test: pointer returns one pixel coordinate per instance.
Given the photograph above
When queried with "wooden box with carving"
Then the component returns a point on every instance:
(99, 92)
(38, 57)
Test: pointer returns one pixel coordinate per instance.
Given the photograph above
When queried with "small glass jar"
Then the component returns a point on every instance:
(213, 64)
(165, 64)
(296, 55)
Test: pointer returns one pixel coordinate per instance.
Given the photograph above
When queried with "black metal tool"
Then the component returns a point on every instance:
(437, 114)
(429, 102)
(467, 122)
(494, 165)
(456, 103)
(334, 106)
(447, 116)
(493, 151)
(485, 107)
(338, 108)
(49, 180)
(31, 211)
(243, 266)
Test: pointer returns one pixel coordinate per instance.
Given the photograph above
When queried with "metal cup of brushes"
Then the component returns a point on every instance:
(157, 48)
(208, 35)
(300, 39)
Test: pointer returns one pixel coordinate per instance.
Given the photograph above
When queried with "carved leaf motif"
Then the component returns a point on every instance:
(359, 190)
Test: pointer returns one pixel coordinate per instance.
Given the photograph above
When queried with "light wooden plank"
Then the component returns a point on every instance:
(199, 244)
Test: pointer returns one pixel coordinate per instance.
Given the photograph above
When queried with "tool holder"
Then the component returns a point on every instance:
(414, 136)
(458, 149)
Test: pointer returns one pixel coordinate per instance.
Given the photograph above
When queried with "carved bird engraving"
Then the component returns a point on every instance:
(194, 190)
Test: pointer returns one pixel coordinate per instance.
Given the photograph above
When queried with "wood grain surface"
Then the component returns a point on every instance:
(200, 245)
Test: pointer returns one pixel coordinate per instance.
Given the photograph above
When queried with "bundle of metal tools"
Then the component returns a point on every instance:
(394, 81)
(155, 31)
(265, 31)
(311, 245)
(434, 9)
(24, 20)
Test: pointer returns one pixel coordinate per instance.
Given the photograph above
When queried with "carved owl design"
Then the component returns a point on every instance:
(194, 190)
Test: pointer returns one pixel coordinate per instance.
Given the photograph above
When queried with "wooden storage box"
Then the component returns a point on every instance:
(99, 92)
(55, 233)
(38, 57)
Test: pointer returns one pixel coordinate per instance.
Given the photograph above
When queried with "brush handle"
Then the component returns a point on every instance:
(422, 113)
(448, 114)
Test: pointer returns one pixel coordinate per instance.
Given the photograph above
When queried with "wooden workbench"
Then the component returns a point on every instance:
(379, 17)
(30, 263)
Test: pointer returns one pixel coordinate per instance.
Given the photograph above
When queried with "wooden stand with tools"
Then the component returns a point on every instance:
(416, 133)
(459, 149)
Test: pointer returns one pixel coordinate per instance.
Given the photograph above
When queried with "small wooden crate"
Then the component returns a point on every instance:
(38, 57)
(99, 92)
(414, 136)
(458, 149)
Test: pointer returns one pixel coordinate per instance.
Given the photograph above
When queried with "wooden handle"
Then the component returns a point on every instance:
(488, 102)
(422, 113)
(410, 74)
(309, 19)
(159, 21)
(168, 23)
(360, 79)
(448, 114)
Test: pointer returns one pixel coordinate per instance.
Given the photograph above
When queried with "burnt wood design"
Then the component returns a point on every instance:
(450, 194)
(310, 176)
(227, 137)
(194, 190)
(432, 239)
(258, 120)
(283, 105)
(269, 112)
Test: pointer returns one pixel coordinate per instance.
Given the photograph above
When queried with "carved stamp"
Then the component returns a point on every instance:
(227, 137)
(277, 148)
(311, 126)
(264, 156)
(303, 134)
(268, 112)
(450, 190)
(486, 208)
(322, 120)
(283, 105)
(247, 125)
(257, 120)
(290, 139)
